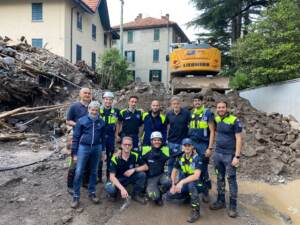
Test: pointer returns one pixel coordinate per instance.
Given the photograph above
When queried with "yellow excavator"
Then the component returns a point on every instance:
(194, 67)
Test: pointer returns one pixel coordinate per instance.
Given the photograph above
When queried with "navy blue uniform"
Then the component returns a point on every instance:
(119, 166)
(187, 167)
(151, 124)
(227, 127)
(111, 117)
(199, 133)
(157, 182)
(131, 122)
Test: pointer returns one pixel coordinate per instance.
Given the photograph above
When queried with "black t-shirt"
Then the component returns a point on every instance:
(131, 121)
(178, 125)
(155, 159)
(119, 166)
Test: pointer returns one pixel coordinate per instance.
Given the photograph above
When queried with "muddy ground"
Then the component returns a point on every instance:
(36, 195)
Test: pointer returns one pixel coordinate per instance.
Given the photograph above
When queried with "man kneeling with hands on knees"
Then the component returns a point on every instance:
(187, 171)
(126, 168)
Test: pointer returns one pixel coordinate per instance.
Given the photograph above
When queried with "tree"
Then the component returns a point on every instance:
(225, 21)
(112, 70)
(271, 51)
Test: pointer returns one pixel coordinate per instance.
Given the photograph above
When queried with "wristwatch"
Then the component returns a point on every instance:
(237, 156)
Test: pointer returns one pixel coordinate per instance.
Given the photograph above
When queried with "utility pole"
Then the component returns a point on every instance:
(121, 30)
(168, 52)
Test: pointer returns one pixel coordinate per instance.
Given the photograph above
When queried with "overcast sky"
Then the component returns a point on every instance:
(181, 11)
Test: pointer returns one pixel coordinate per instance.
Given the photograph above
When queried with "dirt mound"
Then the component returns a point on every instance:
(271, 147)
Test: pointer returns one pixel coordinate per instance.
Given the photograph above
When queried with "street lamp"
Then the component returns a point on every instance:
(121, 29)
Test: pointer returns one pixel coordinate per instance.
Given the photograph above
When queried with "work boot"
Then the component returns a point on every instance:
(195, 215)
(139, 199)
(232, 213)
(232, 208)
(94, 199)
(217, 205)
(159, 202)
(75, 203)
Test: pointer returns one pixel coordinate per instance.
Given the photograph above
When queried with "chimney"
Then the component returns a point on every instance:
(140, 16)
(166, 17)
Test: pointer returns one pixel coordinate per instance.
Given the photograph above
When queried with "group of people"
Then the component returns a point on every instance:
(161, 157)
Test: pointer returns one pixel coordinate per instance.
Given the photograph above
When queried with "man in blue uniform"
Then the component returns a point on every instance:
(178, 120)
(202, 131)
(226, 157)
(111, 116)
(188, 167)
(132, 120)
(154, 120)
(75, 112)
(125, 169)
(156, 157)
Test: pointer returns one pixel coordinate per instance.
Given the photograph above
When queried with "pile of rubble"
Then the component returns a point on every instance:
(34, 76)
(35, 85)
(271, 147)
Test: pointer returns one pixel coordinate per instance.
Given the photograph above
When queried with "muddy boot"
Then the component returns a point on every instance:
(159, 202)
(232, 213)
(232, 209)
(195, 215)
(94, 199)
(217, 205)
(139, 199)
(75, 203)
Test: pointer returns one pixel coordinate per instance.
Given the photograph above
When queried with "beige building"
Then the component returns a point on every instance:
(74, 29)
(146, 45)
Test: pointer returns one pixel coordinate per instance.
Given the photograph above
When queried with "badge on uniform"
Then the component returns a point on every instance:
(127, 118)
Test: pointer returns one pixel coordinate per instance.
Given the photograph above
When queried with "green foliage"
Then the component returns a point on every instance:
(240, 81)
(225, 21)
(271, 51)
(112, 70)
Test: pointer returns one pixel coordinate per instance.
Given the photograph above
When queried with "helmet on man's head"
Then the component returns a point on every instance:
(156, 134)
(108, 94)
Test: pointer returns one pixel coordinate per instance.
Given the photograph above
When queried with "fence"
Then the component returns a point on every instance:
(283, 97)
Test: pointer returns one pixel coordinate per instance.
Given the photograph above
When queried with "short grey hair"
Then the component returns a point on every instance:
(175, 98)
(127, 138)
(94, 104)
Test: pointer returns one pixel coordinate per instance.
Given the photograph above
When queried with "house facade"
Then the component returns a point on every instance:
(75, 29)
(146, 46)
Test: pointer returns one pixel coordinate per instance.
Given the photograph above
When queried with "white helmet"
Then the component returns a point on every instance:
(156, 134)
(108, 94)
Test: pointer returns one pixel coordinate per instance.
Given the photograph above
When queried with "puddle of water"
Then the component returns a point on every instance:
(283, 198)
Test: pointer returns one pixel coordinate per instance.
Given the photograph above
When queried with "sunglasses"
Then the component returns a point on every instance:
(128, 145)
